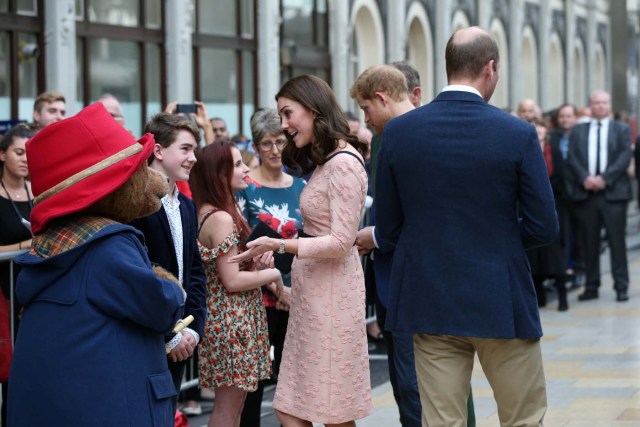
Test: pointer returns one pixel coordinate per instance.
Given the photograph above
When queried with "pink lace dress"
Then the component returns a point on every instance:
(324, 375)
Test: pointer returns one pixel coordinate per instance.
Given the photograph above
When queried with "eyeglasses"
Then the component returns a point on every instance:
(268, 145)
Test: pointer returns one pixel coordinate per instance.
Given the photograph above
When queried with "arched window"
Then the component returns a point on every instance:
(500, 96)
(556, 90)
(420, 48)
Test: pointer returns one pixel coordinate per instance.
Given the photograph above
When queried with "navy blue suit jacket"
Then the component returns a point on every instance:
(159, 242)
(462, 190)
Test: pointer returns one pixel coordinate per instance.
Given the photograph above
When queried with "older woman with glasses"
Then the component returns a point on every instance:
(272, 198)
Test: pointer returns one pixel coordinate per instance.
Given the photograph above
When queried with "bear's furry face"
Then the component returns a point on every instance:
(138, 197)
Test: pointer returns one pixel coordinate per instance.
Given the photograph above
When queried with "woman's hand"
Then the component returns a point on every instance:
(255, 248)
(264, 261)
(276, 287)
(284, 302)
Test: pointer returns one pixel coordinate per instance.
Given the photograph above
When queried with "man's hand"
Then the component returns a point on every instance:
(590, 183)
(364, 240)
(184, 349)
(599, 182)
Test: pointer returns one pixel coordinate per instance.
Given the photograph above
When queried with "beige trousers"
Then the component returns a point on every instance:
(513, 368)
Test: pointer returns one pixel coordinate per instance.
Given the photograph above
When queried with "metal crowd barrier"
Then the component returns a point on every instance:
(9, 257)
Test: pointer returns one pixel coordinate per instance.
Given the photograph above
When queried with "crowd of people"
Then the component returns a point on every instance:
(476, 212)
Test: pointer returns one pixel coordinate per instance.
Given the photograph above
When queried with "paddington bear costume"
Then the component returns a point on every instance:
(90, 348)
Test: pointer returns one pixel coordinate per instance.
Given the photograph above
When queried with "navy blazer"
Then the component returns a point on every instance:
(619, 155)
(159, 242)
(462, 189)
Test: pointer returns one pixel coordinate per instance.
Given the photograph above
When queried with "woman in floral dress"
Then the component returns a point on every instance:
(324, 375)
(234, 352)
(271, 198)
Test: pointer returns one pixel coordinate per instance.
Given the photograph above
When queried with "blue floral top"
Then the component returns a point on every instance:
(279, 208)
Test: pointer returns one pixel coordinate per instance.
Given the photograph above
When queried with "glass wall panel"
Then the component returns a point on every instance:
(248, 92)
(153, 11)
(79, 74)
(115, 12)
(115, 69)
(297, 21)
(217, 17)
(4, 5)
(219, 85)
(247, 18)
(28, 7)
(28, 78)
(80, 10)
(321, 23)
(154, 85)
(5, 95)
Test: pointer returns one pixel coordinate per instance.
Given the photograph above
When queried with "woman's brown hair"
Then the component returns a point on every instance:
(329, 126)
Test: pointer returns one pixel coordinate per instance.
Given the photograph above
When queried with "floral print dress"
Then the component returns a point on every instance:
(235, 348)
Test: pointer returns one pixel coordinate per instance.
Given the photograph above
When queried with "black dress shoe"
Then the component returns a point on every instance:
(588, 295)
(622, 296)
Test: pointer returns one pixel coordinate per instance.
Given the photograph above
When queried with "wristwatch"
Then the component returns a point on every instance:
(281, 247)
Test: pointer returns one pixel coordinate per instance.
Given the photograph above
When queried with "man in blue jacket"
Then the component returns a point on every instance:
(462, 191)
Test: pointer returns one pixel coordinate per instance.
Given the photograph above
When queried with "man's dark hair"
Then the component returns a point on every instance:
(467, 59)
(410, 73)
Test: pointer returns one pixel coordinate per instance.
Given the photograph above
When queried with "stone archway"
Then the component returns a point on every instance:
(556, 94)
(529, 65)
(599, 73)
(459, 20)
(368, 36)
(420, 48)
(579, 76)
(500, 96)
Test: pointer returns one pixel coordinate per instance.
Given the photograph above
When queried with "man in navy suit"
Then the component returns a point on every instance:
(462, 190)
(600, 189)
(171, 233)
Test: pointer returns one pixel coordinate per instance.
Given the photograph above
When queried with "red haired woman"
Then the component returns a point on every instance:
(234, 353)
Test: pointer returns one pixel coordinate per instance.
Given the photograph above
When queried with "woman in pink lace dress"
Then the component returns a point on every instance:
(234, 352)
(324, 375)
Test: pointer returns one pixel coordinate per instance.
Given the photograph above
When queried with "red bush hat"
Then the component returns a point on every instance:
(79, 160)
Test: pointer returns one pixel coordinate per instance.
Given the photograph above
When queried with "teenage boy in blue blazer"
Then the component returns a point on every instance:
(171, 233)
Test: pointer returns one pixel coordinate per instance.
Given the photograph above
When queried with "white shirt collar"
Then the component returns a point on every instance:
(603, 122)
(462, 88)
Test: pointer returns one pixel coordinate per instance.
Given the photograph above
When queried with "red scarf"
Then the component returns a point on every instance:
(548, 159)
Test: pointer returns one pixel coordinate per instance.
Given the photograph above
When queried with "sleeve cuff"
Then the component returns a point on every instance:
(174, 342)
(196, 335)
(373, 236)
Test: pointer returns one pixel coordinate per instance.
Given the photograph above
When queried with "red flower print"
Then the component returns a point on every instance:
(288, 231)
(268, 219)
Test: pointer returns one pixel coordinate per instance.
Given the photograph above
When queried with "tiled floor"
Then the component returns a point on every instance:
(592, 364)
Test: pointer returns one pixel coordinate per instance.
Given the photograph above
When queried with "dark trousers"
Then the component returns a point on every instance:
(407, 381)
(592, 214)
(177, 373)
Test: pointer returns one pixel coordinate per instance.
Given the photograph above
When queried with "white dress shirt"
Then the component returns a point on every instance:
(593, 142)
